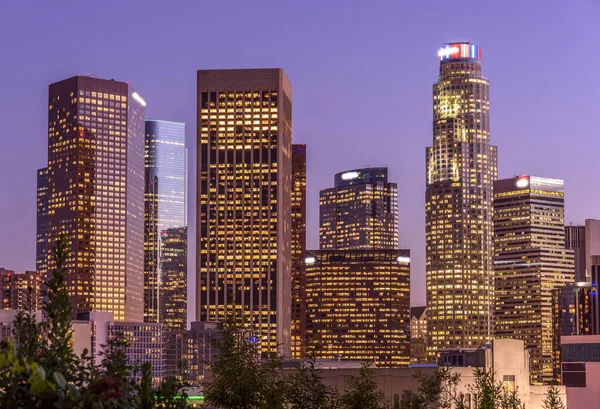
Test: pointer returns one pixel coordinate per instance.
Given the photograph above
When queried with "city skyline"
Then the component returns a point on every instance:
(515, 148)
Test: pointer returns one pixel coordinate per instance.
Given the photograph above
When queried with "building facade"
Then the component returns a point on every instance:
(461, 168)
(585, 243)
(530, 261)
(358, 305)
(41, 236)
(244, 189)
(418, 335)
(581, 370)
(96, 192)
(575, 240)
(359, 212)
(298, 250)
(20, 291)
(507, 359)
(189, 352)
(145, 343)
(165, 235)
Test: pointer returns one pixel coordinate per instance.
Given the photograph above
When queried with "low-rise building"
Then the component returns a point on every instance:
(580, 370)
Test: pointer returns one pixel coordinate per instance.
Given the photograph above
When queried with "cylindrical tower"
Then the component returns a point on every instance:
(461, 169)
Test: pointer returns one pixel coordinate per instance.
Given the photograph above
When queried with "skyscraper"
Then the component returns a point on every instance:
(530, 261)
(165, 247)
(244, 185)
(41, 238)
(358, 305)
(461, 168)
(96, 192)
(575, 240)
(298, 250)
(359, 212)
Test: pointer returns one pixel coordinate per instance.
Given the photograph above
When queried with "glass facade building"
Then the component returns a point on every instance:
(461, 168)
(359, 212)
(358, 305)
(96, 192)
(530, 261)
(298, 250)
(165, 244)
(244, 189)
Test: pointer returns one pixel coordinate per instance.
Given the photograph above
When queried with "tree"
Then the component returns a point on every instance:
(171, 394)
(435, 391)
(439, 389)
(307, 391)
(362, 391)
(26, 330)
(242, 378)
(491, 394)
(412, 400)
(40, 369)
(58, 355)
(553, 399)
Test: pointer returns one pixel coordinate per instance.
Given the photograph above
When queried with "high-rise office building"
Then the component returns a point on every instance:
(461, 168)
(165, 244)
(96, 192)
(585, 242)
(530, 261)
(20, 291)
(575, 240)
(173, 285)
(41, 239)
(358, 305)
(359, 212)
(298, 250)
(244, 185)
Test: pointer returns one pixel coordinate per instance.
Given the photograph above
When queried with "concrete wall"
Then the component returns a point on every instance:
(588, 397)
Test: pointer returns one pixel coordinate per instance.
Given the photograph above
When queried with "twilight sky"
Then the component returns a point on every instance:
(361, 73)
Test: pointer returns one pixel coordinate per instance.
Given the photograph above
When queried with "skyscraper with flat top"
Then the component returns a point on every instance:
(96, 192)
(461, 168)
(244, 185)
(165, 247)
(530, 261)
(359, 212)
(358, 305)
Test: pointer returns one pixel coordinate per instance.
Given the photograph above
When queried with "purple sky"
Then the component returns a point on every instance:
(361, 74)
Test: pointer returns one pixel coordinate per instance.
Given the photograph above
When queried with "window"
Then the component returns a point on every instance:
(508, 382)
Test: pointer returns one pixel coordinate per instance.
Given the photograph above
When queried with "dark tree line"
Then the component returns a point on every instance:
(40, 370)
(243, 378)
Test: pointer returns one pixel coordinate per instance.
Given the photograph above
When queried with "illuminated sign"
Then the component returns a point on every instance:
(350, 175)
(523, 182)
(139, 99)
(403, 259)
(310, 260)
(460, 50)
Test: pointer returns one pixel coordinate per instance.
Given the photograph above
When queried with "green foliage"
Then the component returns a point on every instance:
(57, 352)
(241, 376)
(171, 395)
(41, 370)
(491, 394)
(362, 391)
(307, 391)
(553, 399)
(435, 391)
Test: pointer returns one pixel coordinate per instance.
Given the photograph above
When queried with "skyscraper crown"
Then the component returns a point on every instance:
(460, 50)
